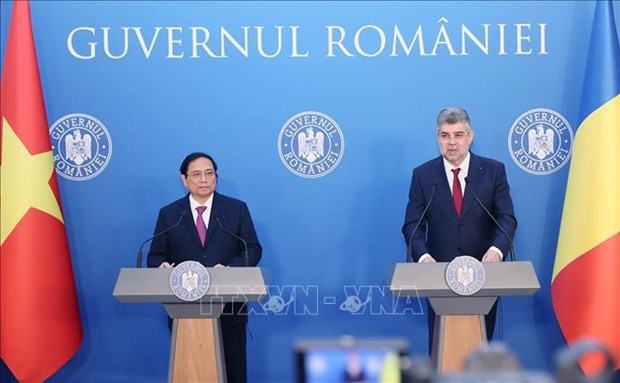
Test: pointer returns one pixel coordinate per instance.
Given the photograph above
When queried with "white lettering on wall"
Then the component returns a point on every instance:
(364, 41)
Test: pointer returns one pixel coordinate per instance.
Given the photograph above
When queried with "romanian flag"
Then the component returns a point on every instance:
(585, 286)
(40, 327)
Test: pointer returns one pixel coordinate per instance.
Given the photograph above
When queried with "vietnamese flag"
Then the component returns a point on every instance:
(585, 286)
(40, 327)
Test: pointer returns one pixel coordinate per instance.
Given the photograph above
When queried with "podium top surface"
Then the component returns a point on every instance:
(239, 284)
(429, 280)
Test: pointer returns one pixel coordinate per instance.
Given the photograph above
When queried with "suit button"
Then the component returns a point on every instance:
(459, 249)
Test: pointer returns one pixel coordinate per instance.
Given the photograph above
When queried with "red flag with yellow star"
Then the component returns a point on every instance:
(40, 327)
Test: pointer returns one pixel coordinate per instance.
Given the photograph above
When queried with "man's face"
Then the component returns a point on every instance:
(454, 141)
(200, 180)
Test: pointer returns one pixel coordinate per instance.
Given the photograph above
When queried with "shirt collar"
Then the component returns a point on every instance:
(193, 204)
(464, 166)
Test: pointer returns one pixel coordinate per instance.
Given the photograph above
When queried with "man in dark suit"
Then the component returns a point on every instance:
(201, 238)
(455, 224)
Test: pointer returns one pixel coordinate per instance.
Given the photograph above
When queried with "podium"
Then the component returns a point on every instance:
(196, 350)
(459, 325)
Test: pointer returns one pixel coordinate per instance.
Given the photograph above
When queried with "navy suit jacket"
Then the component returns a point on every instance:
(442, 233)
(183, 244)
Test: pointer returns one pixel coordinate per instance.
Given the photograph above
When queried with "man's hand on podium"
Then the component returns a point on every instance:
(491, 256)
(427, 258)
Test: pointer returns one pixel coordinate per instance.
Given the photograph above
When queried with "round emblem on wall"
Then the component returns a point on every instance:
(189, 281)
(465, 275)
(311, 144)
(82, 146)
(540, 141)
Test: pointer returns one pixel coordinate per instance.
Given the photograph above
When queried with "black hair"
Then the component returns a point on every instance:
(194, 156)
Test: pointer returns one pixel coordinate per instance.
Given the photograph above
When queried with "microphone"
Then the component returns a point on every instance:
(246, 256)
(139, 258)
(428, 204)
(512, 250)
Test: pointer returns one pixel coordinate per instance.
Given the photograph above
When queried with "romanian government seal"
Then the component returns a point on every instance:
(189, 281)
(311, 144)
(465, 275)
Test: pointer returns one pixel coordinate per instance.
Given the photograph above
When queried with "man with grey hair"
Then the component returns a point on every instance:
(455, 224)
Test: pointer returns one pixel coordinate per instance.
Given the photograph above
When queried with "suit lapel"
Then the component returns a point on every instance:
(473, 180)
(443, 187)
(216, 211)
(189, 224)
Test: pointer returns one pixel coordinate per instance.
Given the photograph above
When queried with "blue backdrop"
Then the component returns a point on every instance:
(380, 70)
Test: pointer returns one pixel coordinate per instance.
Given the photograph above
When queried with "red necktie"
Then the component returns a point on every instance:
(200, 224)
(457, 193)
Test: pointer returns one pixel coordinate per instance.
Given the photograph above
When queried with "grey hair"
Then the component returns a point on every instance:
(453, 116)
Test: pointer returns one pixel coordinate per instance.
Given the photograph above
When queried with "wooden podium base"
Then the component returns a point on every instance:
(455, 337)
(196, 353)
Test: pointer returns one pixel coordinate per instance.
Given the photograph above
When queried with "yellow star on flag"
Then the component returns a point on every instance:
(25, 182)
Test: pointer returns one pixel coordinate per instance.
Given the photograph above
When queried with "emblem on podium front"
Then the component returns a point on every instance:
(189, 281)
(465, 275)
